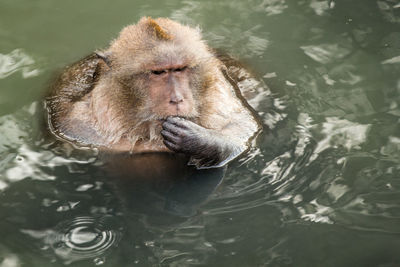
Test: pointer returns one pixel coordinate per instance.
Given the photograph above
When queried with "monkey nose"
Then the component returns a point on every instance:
(175, 100)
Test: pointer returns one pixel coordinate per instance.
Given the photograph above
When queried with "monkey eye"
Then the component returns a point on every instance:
(158, 72)
(180, 69)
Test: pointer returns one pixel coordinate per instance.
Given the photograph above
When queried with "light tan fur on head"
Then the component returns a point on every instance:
(155, 41)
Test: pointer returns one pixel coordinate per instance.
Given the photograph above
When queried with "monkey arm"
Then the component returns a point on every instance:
(207, 148)
(67, 94)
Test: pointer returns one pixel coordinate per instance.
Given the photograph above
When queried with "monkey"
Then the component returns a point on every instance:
(157, 88)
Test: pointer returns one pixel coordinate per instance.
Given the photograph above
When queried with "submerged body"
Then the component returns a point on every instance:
(157, 88)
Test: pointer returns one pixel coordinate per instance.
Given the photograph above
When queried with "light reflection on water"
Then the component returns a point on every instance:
(320, 188)
(15, 61)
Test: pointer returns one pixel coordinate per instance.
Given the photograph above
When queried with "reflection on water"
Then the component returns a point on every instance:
(325, 53)
(319, 188)
(15, 61)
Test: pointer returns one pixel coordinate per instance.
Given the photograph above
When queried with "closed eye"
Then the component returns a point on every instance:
(158, 72)
(180, 69)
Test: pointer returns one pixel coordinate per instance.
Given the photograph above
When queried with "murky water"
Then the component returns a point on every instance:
(321, 188)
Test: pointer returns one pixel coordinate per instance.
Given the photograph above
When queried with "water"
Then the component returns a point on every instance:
(321, 187)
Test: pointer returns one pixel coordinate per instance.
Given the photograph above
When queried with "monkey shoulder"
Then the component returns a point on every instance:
(78, 79)
(238, 88)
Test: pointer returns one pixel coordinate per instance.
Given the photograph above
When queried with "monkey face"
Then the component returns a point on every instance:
(171, 92)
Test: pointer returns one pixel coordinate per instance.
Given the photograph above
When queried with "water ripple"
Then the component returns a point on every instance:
(82, 238)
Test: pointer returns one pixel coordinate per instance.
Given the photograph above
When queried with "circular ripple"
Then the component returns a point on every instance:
(84, 238)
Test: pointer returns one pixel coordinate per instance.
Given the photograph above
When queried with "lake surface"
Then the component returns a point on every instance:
(321, 187)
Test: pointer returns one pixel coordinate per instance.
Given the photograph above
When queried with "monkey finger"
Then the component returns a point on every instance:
(171, 146)
(183, 123)
(178, 121)
(172, 128)
(170, 136)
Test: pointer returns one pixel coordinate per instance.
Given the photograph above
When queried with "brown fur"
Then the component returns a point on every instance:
(107, 101)
(159, 32)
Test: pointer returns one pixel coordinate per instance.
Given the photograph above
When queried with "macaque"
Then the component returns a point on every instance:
(157, 88)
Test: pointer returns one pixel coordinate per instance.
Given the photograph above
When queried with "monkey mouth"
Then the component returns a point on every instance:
(162, 112)
(182, 115)
(180, 112)
(163, 118)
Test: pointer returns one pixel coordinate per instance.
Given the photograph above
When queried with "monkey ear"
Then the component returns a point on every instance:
(105, 56)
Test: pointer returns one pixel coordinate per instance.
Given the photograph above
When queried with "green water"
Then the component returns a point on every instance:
(321, 187)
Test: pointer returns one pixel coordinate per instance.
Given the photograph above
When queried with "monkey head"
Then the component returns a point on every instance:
(161, 67)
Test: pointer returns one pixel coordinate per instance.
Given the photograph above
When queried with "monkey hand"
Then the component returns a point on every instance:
(207, 148)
